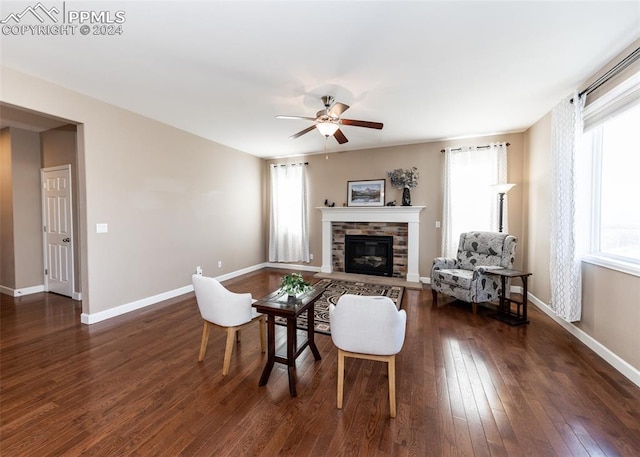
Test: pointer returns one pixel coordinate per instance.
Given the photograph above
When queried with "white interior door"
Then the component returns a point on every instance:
(58, 229)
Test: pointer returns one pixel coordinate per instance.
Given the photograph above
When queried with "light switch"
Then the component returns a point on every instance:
(102, 228)
(437, 224)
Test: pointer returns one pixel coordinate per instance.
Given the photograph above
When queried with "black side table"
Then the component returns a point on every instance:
(505, 311)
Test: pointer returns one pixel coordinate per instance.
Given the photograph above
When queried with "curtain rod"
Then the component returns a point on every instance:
(624, 63)
(477, 147)
(284, 164)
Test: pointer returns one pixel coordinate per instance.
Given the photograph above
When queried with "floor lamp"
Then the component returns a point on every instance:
(501, 189)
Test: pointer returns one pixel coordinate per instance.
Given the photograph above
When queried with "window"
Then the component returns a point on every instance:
(470, 203)
(612, 145)
(289, 219)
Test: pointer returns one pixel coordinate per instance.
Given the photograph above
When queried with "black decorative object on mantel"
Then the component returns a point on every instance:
(406, 197)
(404, 180)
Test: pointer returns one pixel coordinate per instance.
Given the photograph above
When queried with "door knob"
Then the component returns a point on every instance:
(66, 240)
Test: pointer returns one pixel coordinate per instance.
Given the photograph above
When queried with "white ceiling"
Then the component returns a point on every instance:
(428, 70)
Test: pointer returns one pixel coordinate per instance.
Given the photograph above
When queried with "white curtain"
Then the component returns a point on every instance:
(565, 265)
(469, 202)
(289, 220)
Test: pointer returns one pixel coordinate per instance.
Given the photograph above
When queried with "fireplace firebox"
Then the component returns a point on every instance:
(368, 254)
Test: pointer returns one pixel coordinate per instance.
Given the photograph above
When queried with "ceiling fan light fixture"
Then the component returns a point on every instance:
(327, 128)
(329, 120)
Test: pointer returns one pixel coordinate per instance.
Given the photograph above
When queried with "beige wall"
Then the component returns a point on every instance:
(7, 268)
(59, 147)
(328, 177)
(610, 303)
(27, 214)
(538, 156)
(611, 311)
(21, 236)
(172, 200)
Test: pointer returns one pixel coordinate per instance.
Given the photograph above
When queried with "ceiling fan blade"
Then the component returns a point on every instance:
(337, 109)
(339, 136)
(296, 117)
(302, 132)
(367, 124)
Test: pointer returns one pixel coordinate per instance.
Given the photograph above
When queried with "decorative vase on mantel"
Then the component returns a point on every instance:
(405, 180)
(406, 197)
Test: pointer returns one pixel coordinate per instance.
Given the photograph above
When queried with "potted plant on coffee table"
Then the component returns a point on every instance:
(293, 284)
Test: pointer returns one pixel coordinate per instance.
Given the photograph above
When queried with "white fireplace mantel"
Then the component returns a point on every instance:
(407, 214)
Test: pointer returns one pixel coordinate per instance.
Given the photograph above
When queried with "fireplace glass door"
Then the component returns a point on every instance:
(367, 254)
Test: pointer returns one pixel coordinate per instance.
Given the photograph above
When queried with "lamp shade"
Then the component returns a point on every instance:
(502, 188)
(327, 128)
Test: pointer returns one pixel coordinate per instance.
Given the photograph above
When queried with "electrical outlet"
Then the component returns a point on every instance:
(310, 256)
(198, 270)
(219, 263)
(437, 224)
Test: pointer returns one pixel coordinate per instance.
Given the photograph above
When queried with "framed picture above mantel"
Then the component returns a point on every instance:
(366, 193)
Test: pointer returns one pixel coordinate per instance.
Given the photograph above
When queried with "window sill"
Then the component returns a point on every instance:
(613, 264)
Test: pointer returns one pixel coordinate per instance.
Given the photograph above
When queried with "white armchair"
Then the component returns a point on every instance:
(228, 310)
(368, 327)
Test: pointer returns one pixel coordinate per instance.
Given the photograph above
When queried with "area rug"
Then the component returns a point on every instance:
(333, 290)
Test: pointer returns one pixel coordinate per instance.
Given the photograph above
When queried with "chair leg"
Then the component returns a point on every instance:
(434, 295)
(204, 341)
(263, 340)
(237, 336)
(340, 377)
(474, 307)
(391, 367)
(231, 331)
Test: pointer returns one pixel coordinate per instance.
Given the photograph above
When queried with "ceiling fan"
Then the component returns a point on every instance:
(328, 120)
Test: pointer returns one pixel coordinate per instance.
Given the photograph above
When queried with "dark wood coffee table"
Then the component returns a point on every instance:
(278, 304)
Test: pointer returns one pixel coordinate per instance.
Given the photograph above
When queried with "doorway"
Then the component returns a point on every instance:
(57, 217)
(57, 142)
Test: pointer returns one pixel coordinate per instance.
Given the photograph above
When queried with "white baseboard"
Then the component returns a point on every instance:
(242, 271)
(20, 292)
(92, 318)
(605, 353)
(32, 290)
(291, 266)
(6, 290)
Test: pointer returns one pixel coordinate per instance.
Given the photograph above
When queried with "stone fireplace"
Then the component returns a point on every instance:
(396, 231)
(399, 222)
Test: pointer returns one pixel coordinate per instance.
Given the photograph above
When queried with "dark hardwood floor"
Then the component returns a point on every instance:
(467, 385)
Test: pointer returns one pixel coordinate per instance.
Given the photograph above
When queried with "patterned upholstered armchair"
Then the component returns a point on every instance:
(466, 277)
